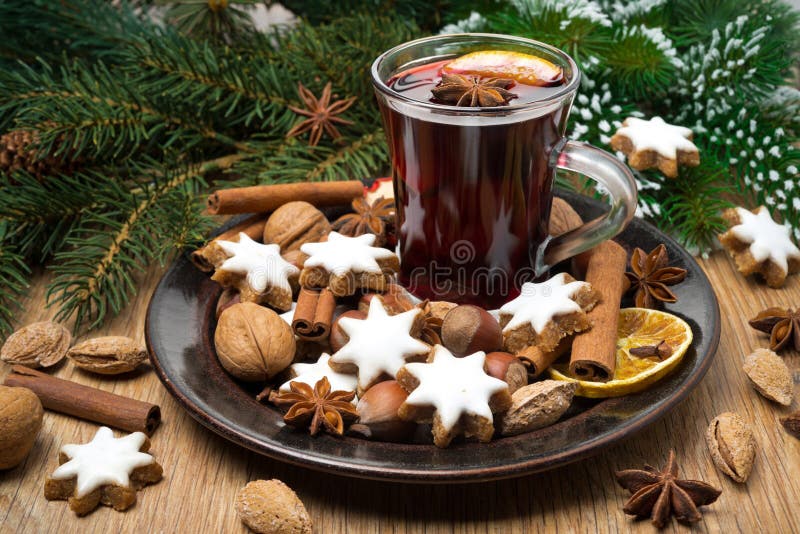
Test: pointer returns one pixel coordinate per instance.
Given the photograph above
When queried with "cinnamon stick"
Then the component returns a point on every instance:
(314, 314)
(270, 197)
(86, 402)
(536, 360)
(206, 256)
(594, 352)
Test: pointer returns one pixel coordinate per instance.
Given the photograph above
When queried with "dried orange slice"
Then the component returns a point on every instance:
(522, 68)
(638, 327)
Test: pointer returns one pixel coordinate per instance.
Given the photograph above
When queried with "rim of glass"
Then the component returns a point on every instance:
(571, 87)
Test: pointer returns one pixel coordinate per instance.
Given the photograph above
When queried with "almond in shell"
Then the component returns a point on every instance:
(536, 406)
(37, 345)
(732, 445)
(110, 355)
(770, 376)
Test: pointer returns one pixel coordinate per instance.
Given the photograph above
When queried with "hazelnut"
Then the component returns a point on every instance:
(294, 224)
(337, 338)
(377, 412)
(253, 343)
(271, 507)
(228, 298)
(20, 421)
(296, 258)
(467, 329)
(507, 367)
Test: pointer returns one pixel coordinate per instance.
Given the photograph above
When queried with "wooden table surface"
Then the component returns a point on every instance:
(202, 472)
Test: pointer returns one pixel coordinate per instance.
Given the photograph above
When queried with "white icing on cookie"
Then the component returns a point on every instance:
(261, 264)
(768, 239)
(104, 460)
(454, 386)
(311, 373)
(341, 254)
(537, 304)
(655, 134)
(380, 343)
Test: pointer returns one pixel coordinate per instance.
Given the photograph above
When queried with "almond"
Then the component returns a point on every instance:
(271, 507)
(770, 376)
(109, 355)
(37, 345)
(732, 445)
(537, 405)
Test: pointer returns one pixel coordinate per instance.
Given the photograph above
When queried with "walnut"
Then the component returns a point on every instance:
(253, 343)
(20, 421)
(295, 224)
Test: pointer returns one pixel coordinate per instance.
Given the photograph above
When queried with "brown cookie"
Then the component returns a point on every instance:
(656, 144)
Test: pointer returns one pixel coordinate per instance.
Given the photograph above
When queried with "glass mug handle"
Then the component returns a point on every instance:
(615, 178)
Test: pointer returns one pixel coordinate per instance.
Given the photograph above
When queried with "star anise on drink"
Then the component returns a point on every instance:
(650, 275)
(782, 325)
(473, 91)
(660, 494)
(317, 408)
(367, 219)
(321, 113)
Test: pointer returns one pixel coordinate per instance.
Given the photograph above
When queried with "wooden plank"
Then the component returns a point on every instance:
(202, 472)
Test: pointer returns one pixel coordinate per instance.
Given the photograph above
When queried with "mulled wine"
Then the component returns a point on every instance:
(475, 125)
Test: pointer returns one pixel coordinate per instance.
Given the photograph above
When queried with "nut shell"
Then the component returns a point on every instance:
(467, 329)
(507, 367)
(37, 345)
(20, 421)
(732, 445)
(294, 224)
(271, 507)
(109, 355)
(536, 406)
(770, 376)
(253, 343)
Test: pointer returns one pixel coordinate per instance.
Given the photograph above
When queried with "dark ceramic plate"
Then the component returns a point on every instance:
(180, 325)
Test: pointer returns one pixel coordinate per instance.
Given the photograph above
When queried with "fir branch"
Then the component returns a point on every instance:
(359, 157)
(93, 274)
(14, 275)
(218, 20)
(42, 213)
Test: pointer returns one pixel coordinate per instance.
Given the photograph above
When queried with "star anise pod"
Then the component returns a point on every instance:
(318, 408)
(650, 275)
(783, 327)
(367, 219)
(659, 494)
(473, 91)
(321, 114)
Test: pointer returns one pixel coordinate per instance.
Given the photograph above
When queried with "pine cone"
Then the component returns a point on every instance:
(16, 153)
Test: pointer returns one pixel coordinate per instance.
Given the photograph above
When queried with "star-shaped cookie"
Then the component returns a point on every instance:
(379, 345)
(655, 143)
(106, 470)
(456, 394)
(258, 271)
(544, 313)
(760, 245)
(345, 264)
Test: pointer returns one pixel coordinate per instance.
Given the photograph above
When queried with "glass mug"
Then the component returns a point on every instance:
(474, 186)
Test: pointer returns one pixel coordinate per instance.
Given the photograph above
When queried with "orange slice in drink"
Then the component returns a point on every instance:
(522, 68)
(638, 327)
